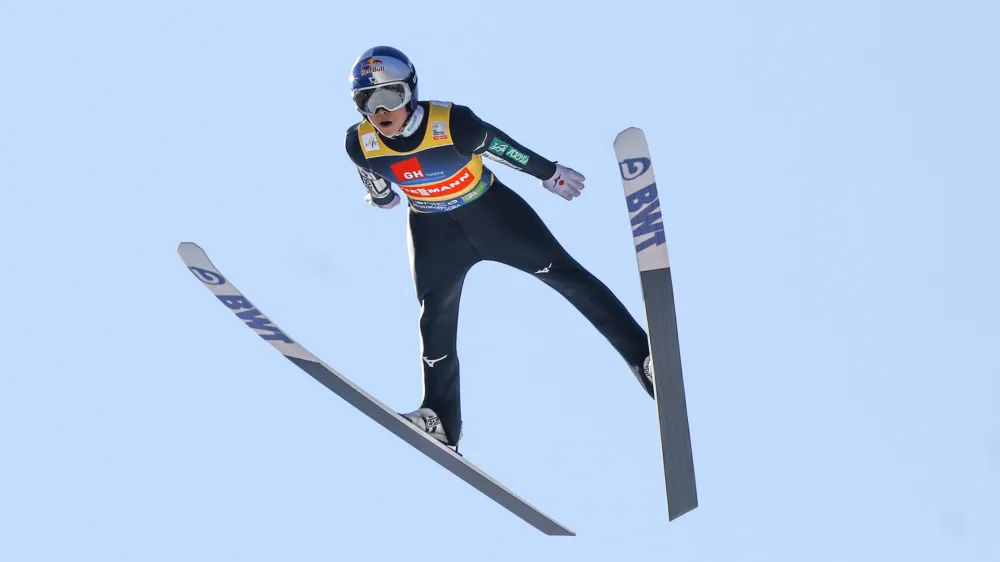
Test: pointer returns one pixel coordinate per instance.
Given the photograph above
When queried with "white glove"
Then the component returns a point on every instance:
(392, 202)
(566, 182)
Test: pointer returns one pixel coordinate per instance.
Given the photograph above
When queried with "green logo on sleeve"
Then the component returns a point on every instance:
(498, 146)
(517, 156)
(503, 149)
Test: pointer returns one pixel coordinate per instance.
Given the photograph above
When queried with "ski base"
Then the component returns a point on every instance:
(199, 264)
(649, 237)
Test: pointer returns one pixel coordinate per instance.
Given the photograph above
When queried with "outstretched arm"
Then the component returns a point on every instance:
(473, 135)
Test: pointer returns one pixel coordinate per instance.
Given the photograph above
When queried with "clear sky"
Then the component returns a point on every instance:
(830, 189)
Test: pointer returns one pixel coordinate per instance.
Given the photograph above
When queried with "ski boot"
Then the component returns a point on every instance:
(427, 421)
(645, 378)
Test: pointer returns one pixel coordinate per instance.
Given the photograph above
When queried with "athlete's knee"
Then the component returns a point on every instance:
(438, 325)
(561, 269)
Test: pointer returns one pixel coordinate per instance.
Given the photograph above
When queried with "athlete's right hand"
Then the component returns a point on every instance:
(392, 202)
(565, 182)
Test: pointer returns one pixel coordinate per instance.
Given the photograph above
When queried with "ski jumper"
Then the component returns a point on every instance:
(459, 214)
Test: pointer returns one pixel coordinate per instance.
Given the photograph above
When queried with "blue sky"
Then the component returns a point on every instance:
(829, 182)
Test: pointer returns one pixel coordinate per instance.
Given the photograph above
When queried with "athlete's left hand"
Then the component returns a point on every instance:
(565, 182)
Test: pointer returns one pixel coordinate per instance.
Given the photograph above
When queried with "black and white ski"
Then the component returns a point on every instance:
(643, 203)
(198, 262)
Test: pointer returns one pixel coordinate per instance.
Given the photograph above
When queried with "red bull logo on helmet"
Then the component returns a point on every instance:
(372, 65)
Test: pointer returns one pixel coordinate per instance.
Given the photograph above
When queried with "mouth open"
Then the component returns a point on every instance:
(385, 123)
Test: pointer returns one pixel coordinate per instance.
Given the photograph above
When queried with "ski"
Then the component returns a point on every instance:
(199, 264)
(643, 203)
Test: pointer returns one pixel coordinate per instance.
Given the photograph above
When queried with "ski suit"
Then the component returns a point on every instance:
(459, 213)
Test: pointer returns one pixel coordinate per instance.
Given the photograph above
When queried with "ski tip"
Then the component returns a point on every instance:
(188, 246)
(190, 253)
(629, 132)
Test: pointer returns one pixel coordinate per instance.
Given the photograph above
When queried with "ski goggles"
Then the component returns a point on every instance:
(390, 96)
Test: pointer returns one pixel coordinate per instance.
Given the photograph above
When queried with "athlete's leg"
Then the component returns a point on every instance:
(509, 231)
(440, 257)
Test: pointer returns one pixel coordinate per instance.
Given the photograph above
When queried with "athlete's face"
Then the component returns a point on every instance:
(388, 122)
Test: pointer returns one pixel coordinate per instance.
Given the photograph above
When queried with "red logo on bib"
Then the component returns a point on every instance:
(408, 169)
